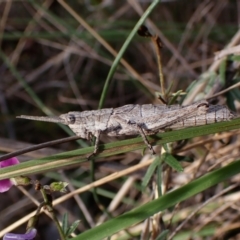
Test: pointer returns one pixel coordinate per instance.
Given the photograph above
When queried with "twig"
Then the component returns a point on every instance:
(38, 146)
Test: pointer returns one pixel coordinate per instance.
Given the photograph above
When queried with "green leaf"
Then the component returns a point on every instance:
(172, 162)
(150, 171)
(72, 228)
(58, 186)
(65, 223)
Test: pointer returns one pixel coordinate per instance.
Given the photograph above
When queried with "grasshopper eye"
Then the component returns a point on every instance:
(71, 119)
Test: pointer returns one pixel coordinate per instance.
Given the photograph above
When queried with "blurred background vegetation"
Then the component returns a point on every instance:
(57, 54)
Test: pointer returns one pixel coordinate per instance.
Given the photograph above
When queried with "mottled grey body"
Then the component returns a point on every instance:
(136, 119)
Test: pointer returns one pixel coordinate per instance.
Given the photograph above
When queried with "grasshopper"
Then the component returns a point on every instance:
(134, 119)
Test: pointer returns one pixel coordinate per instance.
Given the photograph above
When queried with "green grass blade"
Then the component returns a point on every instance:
(123, 49)
(166, 201)
(172, 162)
(73, 158)
(150, 171)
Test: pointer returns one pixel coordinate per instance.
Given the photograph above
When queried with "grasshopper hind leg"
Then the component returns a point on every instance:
(96, 145)
(143, 135)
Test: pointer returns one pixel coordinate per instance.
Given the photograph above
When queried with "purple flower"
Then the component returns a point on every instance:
(29, 235)
(6, 184)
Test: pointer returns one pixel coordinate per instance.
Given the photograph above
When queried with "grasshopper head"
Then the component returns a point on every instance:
(75, 122)
(68, 118)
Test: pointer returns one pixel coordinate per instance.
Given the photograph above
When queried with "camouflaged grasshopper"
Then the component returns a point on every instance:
(134, 119)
